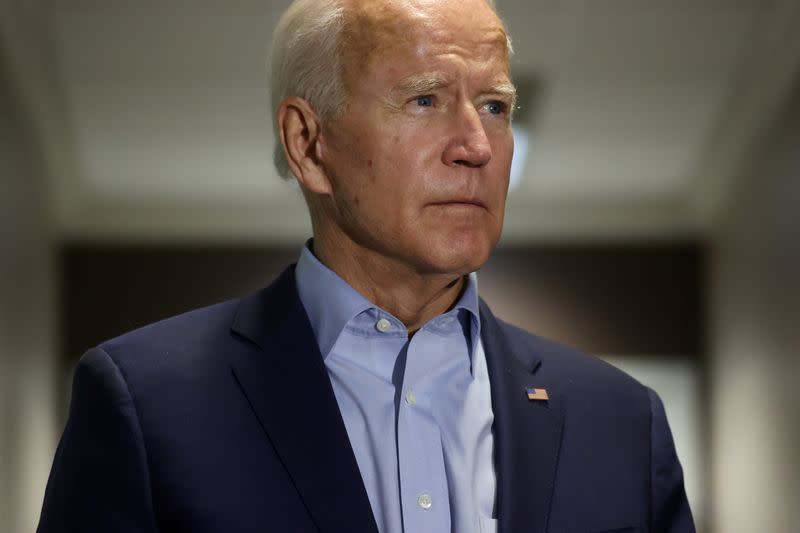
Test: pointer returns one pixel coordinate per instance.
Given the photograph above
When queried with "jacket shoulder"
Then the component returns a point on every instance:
(189, 337)
(194, 325)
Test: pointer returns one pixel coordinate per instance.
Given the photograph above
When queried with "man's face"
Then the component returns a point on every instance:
(419, 160)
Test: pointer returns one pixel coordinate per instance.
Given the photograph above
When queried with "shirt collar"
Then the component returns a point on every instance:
(470, 302)
(330, 302)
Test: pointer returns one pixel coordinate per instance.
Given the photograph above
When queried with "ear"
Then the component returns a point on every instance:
(299, 128)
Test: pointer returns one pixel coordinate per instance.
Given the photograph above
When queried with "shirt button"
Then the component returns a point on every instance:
(383, 325)
(410, 398)
(425, 501)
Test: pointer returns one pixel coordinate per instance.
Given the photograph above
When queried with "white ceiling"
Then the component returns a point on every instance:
(154, 122)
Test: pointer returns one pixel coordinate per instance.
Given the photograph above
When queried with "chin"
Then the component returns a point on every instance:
(462, 254)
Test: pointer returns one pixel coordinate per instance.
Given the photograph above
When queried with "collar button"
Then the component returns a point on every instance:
(383, 325)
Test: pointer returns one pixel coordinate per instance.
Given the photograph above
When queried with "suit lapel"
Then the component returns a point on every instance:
(288, 387)
(527, 433)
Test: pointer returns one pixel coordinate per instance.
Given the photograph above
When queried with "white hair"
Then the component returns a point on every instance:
(307, 61)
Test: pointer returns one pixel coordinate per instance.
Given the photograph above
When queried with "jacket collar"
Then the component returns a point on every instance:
(302, 420)
(283, 376)
(527, 433)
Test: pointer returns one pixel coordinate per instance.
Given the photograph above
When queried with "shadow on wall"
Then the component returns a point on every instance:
(755, 342)
(28, 425)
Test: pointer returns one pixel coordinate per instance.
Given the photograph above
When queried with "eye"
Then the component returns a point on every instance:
(425, 100)
(495, 107)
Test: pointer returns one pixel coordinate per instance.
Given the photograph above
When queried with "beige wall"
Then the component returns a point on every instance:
(755, 344)
(27, 338)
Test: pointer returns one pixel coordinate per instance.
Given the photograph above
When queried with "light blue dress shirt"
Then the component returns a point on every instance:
(418, 412)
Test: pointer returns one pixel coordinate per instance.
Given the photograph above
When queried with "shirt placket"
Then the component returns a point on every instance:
(423, 479)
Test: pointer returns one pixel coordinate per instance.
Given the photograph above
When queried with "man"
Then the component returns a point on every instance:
(368, 389)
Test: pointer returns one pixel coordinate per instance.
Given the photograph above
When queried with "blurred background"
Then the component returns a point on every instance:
(653, 218)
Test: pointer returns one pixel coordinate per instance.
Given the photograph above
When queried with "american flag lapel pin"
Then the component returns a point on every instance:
(537, 394)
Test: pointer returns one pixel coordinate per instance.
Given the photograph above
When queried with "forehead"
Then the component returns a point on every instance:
(377, 30)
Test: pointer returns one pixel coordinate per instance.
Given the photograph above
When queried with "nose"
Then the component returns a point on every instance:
(469, 145)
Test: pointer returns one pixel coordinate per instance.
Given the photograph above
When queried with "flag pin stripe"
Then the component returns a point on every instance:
(537, 394)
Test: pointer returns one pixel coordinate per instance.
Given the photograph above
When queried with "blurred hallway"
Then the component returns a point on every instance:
(664, 167)
(29, 417)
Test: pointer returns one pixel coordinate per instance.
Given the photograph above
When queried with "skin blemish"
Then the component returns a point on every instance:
(369, 163)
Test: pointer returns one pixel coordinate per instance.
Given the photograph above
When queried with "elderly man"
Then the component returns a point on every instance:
(368, 388)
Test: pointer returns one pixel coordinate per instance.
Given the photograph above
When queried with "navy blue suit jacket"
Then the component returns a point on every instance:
(224, 420)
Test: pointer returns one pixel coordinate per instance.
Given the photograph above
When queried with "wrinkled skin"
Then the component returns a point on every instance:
(413, 174)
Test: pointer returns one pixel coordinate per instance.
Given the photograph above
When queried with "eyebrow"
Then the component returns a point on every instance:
(425, 83)
(420, 84)
(507, 90)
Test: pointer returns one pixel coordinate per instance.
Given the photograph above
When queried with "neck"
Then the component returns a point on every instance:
(412, 297)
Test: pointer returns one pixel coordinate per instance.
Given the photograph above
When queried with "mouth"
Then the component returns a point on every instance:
(461, 202)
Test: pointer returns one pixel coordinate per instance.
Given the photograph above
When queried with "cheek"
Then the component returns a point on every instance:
(502, 155)
(403, 171)
(502, 142)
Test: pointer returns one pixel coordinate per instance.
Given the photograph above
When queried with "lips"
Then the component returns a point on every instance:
(462, 201)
